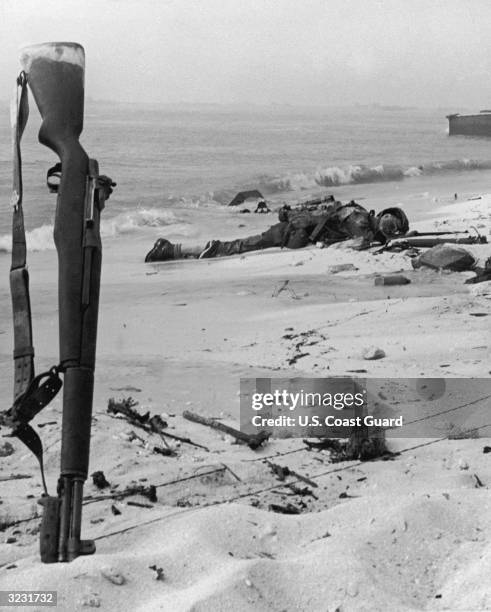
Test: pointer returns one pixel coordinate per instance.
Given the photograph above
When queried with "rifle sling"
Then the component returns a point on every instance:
(19, 276)
(30, 394)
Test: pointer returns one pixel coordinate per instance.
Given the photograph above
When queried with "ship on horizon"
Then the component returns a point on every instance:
(478, 124)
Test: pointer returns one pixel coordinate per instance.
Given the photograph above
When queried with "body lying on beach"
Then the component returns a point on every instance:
(297, 229)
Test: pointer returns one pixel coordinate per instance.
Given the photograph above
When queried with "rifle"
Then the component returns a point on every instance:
(428, 240)
(415, 233)
(55, 74)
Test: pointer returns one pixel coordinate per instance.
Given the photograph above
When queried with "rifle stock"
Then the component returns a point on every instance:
(55, 73)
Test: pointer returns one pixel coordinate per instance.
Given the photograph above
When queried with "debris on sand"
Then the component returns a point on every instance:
(253, 441)
(302, 491)
(151, 424)
(113, 576)
(159, 572)
(284, 509)
(372, 352)
(396, 279)
(99, 480)
(357, 448)
(6, 449)
(150, 492)
(479, 482)
(15, 477)
(138, 504)
(162, 450)
(281, 472)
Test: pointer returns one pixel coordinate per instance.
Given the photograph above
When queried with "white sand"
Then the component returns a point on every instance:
(179, 335)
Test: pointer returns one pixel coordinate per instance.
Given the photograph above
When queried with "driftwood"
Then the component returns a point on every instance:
(167, 452)
(253, 441)
(15, 477)
(138, 504)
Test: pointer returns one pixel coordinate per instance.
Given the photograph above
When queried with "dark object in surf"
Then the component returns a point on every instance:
(486, 450)
(242, 196)
(445, 257)
(253, 441)
(99, 480)
(262, 208)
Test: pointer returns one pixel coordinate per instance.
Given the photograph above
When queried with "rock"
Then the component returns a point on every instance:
(445, 257)
(6, 449)
(372, 352)
(113, 576)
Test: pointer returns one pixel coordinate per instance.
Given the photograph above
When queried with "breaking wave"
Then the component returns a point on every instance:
(332, 176)
(41, 238)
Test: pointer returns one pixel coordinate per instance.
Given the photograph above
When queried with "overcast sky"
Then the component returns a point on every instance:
(336, 52)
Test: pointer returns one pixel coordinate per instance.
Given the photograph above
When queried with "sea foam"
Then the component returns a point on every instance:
(41, 238)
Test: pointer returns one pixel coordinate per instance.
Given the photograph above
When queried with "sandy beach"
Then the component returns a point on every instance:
(411, 533)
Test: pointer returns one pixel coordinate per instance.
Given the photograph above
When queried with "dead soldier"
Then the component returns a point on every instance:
(299, 228)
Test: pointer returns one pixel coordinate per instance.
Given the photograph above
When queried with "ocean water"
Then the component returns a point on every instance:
(169, 159)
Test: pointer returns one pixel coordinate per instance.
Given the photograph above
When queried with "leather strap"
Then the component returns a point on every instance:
(30, 395)
(19, 276)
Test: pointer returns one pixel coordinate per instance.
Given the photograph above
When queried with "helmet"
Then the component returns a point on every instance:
(392, 222)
